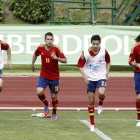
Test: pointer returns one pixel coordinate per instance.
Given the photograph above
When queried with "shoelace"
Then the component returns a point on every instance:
(46, 109)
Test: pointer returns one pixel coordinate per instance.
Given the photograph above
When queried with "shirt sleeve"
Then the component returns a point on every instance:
(107, 57)
(132, 55)
(81, 61)
(37, 52)
(60, 54)
(4, 46)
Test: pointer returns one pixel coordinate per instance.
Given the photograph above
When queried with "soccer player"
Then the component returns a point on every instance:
(49, 75)
(134, 60)
(4, 46)
(94, 65)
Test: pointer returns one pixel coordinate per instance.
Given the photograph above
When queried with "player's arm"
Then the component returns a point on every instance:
(62, 60)
(35, 55)
(135, 64)
(6, 47)
(108, 64)
(81, 64)
(9, 58)
(84, 75)
(107, 70)
(132, 57)
(33, 62)
(59, 56)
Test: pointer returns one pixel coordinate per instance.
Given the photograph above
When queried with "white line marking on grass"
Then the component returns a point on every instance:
(97, 131)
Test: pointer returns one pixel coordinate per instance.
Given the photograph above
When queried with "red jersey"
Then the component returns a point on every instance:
(49, 68)
(135, 55)
(4, 46)
(82, 59)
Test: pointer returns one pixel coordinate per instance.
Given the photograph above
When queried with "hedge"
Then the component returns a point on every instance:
(33, 11)
(1, 11)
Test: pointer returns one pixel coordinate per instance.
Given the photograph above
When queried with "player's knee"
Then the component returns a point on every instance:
(0, 88)
(91, 101)
(53, 96)
(138, 97)
(101, 94)
(40, 91)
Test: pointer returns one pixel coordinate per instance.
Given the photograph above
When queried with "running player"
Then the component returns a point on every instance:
(4, 46)
(94, 64)
(49, 75)
(134, 60)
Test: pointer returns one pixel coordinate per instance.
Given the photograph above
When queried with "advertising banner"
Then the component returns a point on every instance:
(72, 39)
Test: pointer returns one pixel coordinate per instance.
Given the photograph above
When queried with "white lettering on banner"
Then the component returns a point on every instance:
(118, 40)
(86, 41)
(18, 43)
(126, 45)
(65, 44)
(76, 43)
(29, 43)
(1, 37)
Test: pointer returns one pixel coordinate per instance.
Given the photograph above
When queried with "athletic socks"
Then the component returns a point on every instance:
(101, 99)
(138, 108)
(42, 97)
(54, 104)
(91, 113)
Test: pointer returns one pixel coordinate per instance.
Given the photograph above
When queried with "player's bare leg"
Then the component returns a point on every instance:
(138, 109)
(102, 95)
(42, 97)
(1, 84)
(91, 97)
(54, 104)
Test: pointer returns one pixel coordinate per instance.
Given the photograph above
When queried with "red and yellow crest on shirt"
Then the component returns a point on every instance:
(52, 53)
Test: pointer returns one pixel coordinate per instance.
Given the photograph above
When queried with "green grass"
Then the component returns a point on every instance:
(27, 68)
(63, 68)
(19, 125)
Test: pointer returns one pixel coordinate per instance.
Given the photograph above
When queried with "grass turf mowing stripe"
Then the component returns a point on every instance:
(69, 108)
(97, 131)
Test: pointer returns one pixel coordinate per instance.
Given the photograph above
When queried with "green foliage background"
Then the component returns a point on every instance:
(1, 11)
(33, 11)
(137, 19)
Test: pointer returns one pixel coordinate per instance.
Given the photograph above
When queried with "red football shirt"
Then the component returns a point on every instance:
(50, 69)
(4, 46)
(82, 59)
(135, 55)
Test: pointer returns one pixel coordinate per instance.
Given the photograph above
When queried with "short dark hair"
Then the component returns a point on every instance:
(95, 37)
(48, 34)
(137, 39)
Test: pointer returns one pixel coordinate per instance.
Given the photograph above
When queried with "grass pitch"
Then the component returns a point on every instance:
(19, 125)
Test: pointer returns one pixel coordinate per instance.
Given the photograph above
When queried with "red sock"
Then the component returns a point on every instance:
(54, 104)
(42, 97)
(91, 113)
(101, 99)
(138, 109)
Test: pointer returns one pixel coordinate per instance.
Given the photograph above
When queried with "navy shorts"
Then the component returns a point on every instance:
(92, 85)
(137, 82)
(1, 74)
(53, 84)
